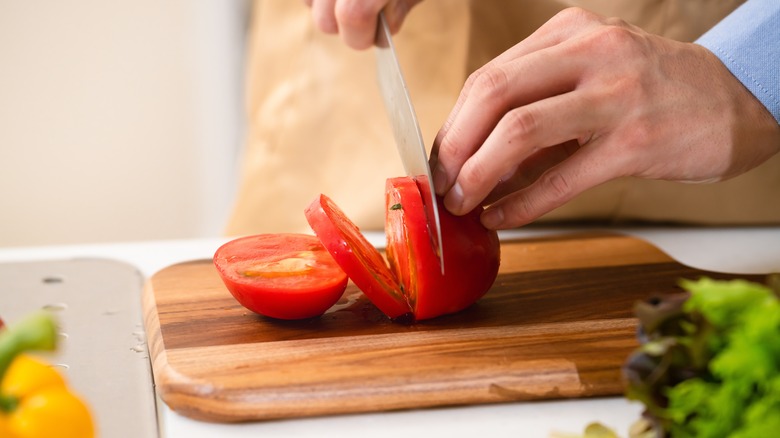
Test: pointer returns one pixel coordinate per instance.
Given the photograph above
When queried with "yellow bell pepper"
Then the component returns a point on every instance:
(34, 398)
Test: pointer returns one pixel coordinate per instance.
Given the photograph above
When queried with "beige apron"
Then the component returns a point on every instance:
(316, 123)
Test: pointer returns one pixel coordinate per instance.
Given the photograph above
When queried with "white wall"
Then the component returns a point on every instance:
(119, 120)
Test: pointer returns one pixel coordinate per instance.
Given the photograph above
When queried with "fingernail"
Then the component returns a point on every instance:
(454, 199)
(439, 179)
(492, 218)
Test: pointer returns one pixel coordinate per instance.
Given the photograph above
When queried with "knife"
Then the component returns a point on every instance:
(406, 129)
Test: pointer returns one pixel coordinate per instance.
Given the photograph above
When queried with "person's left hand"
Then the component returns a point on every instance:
(586, 99)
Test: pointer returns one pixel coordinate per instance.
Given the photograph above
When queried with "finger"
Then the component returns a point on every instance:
(531, 169)
(493, 93)
(322, 12)
(396, 11)
(588, 168)
(357, 21)
(519, 134)
(562, 27)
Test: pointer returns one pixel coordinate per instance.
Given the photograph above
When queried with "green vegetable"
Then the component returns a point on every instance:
(709, 364)
(640, 429)
(395, 207)
(592, 430)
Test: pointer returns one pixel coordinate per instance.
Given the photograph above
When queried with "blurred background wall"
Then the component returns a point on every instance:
(119, 120)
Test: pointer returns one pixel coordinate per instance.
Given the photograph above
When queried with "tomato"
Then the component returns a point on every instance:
(283, 276)
(472, 253)
(411, 283)
(357, 257)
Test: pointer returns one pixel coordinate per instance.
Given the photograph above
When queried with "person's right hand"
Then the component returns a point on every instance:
(356, 20)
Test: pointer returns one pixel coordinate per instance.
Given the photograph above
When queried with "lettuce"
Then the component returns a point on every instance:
(709, 360)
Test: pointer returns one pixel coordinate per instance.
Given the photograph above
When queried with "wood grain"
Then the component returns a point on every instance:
(557, 323)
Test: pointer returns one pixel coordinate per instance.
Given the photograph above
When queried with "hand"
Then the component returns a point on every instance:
(586, 99)
(356, 20)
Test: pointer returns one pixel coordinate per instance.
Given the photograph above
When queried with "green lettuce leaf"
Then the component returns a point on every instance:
(709, 363)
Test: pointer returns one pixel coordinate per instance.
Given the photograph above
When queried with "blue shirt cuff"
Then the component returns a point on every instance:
(748, 43)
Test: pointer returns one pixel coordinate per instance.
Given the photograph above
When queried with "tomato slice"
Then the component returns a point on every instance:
(404, 218)
(410, 285)
(358, 258)
(283, 276)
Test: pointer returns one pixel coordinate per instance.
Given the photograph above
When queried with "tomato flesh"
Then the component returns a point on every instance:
(472, 253)
(357, 257)
(294, 276)
(400, 206)
(411, 283)
(283, 276)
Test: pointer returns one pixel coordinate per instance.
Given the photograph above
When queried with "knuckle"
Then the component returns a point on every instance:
(616, 21)
(490, 83)
(616, 39)
(354, 14)
(452, 146)
(555, 185)
(521, 123)
(521, 210)
(474, 172)
(472, 77)
(573, 15)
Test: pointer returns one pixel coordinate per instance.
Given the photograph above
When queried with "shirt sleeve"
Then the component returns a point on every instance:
(748, 43)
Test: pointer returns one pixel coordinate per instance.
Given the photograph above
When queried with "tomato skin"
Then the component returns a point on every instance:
(283, 276)
(360, 260)
(472, 253)
(413, 286)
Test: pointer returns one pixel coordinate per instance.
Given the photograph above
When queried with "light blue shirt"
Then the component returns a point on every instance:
(748, 43)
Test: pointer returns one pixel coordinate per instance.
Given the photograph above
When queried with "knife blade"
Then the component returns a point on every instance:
(406, 128)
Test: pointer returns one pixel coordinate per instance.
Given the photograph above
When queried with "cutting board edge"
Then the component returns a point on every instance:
(193, 406)
(164, 374)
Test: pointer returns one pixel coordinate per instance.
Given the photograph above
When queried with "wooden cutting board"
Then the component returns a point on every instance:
(557, 323)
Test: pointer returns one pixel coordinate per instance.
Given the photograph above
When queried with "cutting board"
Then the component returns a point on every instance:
(557, 323)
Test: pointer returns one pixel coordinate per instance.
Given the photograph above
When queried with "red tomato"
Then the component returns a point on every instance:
(413, 283)
(356, 256)
(472, 253)
(284, 276)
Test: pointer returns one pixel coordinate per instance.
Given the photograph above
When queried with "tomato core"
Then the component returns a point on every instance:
(283, 276)
(298, 265)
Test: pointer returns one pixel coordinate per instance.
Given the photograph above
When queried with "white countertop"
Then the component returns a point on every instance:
(736, 250)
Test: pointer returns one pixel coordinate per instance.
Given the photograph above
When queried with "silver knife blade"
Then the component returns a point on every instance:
(406, 129)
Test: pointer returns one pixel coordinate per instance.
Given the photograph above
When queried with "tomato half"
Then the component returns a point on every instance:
(472, 253)
(413, 283)
(284, 276)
